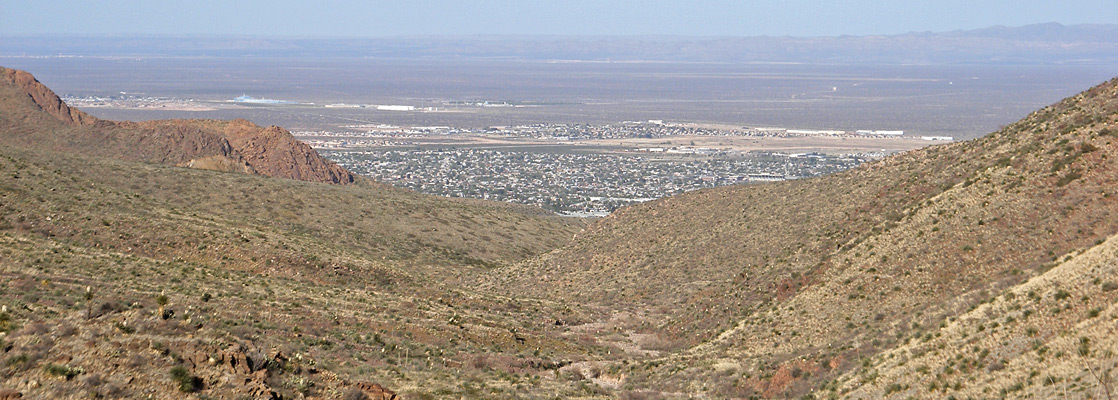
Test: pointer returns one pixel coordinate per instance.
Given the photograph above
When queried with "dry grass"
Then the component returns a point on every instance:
(838, 268)
(980, 267)
(350, 277)
(1050, 336)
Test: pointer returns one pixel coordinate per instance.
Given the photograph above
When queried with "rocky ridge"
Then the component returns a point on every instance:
(43, 97)
(231, 146)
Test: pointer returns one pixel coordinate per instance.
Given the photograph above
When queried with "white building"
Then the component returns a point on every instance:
(880, 133)
(813, 132)
(396, 108)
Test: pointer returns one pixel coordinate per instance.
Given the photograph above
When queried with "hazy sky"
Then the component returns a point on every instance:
(550, 17)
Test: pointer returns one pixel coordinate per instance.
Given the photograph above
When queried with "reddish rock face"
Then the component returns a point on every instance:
(376, 392)
(45, 98)
(231, 146)
(272, 151)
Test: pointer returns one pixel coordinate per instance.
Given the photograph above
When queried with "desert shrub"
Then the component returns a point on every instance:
(64, 371)
(16, 361)
(125, 329)
(659, 343)
(6, 323)
(299, 384)
(1062, 294)
(162, 300)
(1084, 346)
(1109, 286)
(892, 388)
(108, 307)
(186, 382)
(1062, 162)
(573, 375)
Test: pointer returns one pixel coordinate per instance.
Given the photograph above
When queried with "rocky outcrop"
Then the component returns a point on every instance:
(247, 366)
(273, 151)
(45, 99)
(249, 369)
(375, 392)
(177, 142)
(27, 106)
(10, 394)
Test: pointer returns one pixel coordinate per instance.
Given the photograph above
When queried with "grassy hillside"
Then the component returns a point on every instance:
(320, 286)
(1050, 337)
(743, 284)
(347, 276)
(246, 221)
(979, 269)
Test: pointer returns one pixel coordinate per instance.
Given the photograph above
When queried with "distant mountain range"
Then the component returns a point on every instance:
(1050, 43)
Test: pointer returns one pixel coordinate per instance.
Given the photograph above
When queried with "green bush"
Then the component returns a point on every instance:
(16, 360)
(186, 382)
(892, 388)
(6, 323)
(62, 370)
(1084, 346)
(1062, 294)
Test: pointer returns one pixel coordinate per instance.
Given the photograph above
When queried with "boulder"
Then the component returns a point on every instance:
(375, 392)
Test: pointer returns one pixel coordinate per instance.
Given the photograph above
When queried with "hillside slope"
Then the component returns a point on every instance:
(816, 274)
(31, 115)
(344, 281)
(1052, 336)
(125, 276)
(981, 269)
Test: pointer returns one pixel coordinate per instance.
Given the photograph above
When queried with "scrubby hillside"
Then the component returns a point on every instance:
(344, 281)
(127, 279)
(975, 269)
(1052, 336)
(743, 285)
(31, 115)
